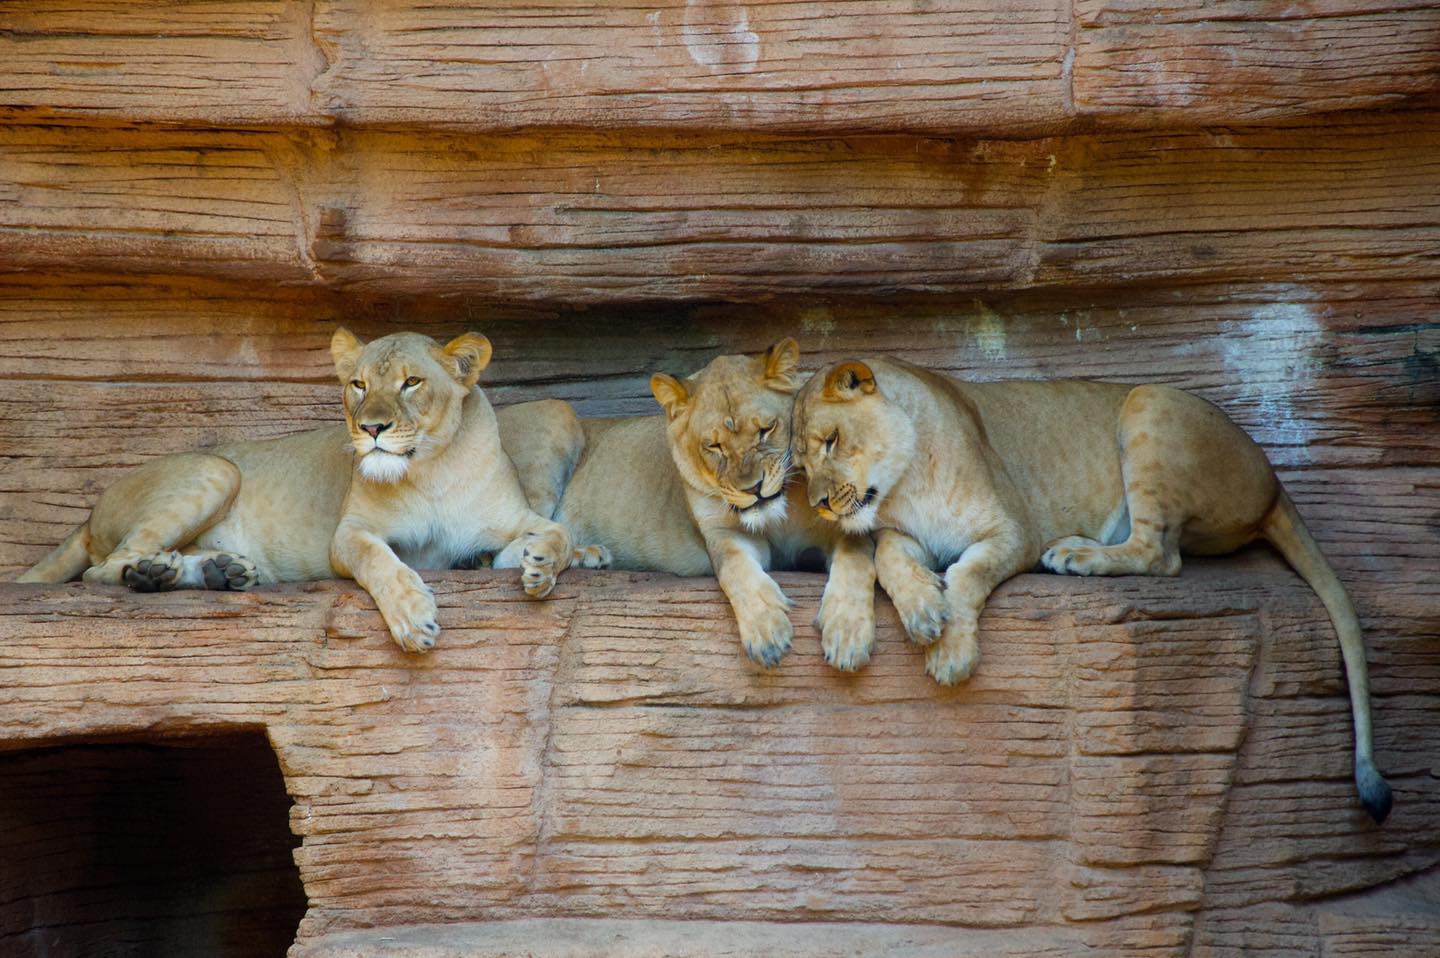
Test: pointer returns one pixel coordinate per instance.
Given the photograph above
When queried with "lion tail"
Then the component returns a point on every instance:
(1284, 528)
(65, 561)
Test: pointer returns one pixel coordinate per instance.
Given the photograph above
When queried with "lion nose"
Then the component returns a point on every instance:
(755, 489)
(376, 428)
(823, 503)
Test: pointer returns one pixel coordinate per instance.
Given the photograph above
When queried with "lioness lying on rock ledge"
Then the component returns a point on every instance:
(416, 478)
(984, 480)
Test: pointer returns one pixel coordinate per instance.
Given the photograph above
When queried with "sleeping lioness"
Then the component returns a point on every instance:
(982, 480)
(416, 478)
(728, 431)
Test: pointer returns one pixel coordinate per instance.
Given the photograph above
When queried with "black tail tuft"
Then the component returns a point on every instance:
(1374, 792)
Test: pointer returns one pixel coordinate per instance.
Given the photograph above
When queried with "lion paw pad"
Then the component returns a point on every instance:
(229, 572)
(159, 572)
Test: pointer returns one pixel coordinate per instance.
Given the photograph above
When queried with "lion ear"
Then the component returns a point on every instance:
(470, 353)
(345, 351)
(778, 365)
(670, 393)
(849, 380)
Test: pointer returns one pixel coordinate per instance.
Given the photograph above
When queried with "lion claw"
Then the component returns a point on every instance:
(847, 633)
(766, 635)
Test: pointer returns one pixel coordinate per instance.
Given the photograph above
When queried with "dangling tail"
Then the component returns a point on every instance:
(65, 562)
(1284, 528)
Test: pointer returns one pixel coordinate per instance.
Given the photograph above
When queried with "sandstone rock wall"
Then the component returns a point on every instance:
(1154, 767)
(946, 67)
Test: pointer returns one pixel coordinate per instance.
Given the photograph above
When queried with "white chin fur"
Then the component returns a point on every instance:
(760, 515)
(378, 465)
(861, 521)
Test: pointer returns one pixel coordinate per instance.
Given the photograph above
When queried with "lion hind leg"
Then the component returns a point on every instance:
(1156, 506)
(155, 511)
(1146, 552)
(1152, 546)
(590, 557)
(544, 440)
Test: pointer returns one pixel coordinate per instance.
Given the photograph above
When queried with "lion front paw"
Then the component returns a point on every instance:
(229, 572)
(765, 630)
(1073, 555)
(411, 615)
(591, 557)
(158, 572)
(847, 630)
(540, 563)
(953, 659)
(922, 607)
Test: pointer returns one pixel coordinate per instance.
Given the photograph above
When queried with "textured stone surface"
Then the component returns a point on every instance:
(942, 66)
(585, 217)
(1190, 62)
(1134, 756)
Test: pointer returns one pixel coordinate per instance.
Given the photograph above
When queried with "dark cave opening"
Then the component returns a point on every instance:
(177, 846)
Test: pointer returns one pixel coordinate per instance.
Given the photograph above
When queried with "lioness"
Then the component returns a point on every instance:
(415, 477)
(728, 430)
(984, 479)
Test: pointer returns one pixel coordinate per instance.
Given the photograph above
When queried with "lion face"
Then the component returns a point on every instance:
(403, 395)
(852, 442)
(729, 429)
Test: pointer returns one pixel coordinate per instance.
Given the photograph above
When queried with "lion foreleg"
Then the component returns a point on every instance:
(543, 549)
(903, 567)
(968, 584)
(740, 561)
(846, 617)
(405, 601)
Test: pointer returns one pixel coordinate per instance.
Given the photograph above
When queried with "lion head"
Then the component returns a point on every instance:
(729, 429)
(852, 442)
(403, 395)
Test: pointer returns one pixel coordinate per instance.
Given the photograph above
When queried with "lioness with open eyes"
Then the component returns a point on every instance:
(415, 478)
(728, 430)
(983, 480)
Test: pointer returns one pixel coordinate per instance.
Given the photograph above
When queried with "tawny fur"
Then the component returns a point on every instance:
(311, 505)
(980, 481)
(627, 496)
(728, 432)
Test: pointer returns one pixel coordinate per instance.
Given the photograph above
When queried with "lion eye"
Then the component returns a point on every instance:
(713, 447)
(412, 382)
(766, 431)
(830, 441)
(358, 384)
